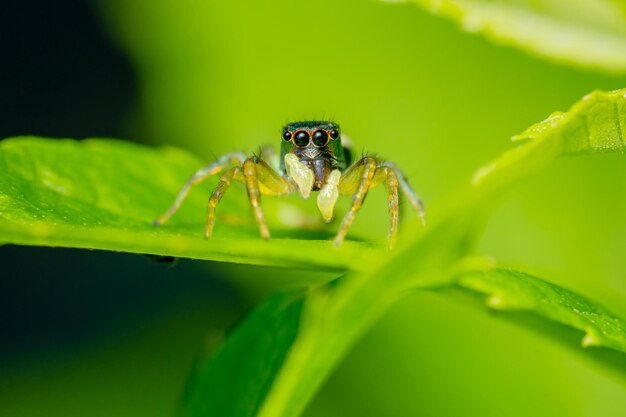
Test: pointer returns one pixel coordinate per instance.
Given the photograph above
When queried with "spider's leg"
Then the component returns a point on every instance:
(254, 195)
(416, 202)
(259, 178)
(225, 180)
(393, 202)
(271, 182)
(255, 169)
(197, 178)
(360, 174)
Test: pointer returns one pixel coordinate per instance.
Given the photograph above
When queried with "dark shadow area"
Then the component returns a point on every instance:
(54, 299)
(60, 75)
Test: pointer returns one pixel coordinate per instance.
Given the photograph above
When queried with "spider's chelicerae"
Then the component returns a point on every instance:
(313, 157)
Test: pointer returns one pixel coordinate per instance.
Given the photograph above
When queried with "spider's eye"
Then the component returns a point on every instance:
(287, 135)
(334, 134)
(320, 138)
(301, 139)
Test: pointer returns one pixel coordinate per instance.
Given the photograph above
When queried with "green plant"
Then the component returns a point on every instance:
(103, 194)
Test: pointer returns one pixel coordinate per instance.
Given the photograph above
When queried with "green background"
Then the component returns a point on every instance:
(218, 76)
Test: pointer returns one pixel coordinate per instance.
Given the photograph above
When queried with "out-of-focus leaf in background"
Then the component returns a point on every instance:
(236, 379)
(517, 291)
(594, 125)
(587, 33)
(229, 385)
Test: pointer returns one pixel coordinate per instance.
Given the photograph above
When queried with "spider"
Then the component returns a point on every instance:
(314, 156)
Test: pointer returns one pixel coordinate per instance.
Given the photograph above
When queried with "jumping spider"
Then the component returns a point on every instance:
(312, 158)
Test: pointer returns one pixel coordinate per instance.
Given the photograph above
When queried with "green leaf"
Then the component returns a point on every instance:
(104, 194)
(621, 4)
(512, 290)
(273, 326)
(336, 314)
(240, 374)
(596, 124)
(586, 33)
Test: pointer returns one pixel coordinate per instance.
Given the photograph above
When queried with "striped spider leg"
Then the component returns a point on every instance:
(257, 176)
(364, 175)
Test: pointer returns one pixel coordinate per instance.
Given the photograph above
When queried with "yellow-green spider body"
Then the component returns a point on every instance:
(313, 158)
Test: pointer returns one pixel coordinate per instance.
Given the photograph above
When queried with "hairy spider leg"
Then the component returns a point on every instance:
(362, 174)
(271, 182)
(358, 180)
(393, 202)
(259, 176)
(416, 202)
(225, 180)
(201, 175)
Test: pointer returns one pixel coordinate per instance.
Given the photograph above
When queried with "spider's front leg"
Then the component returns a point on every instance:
(201, 175)
(364, 175)
(258, 178)
(357, 181)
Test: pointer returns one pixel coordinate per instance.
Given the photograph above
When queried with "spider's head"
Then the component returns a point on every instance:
(317, 144)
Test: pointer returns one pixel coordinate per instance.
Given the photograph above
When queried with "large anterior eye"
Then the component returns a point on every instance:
(301, 139)
(320, 138)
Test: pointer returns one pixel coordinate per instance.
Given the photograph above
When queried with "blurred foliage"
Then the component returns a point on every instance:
(335, 315)
(218, 76)
(579, 32)
(513, 290)
(278, 358)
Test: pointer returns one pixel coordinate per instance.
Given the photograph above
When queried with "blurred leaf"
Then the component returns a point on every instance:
(596, 124)
(104, 194)
(238, 377)
(621, 4)
(335, 315)
(587, 33)
(512, 290)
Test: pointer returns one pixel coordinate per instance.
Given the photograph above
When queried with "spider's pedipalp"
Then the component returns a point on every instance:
(300, 173)
(328, 195)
